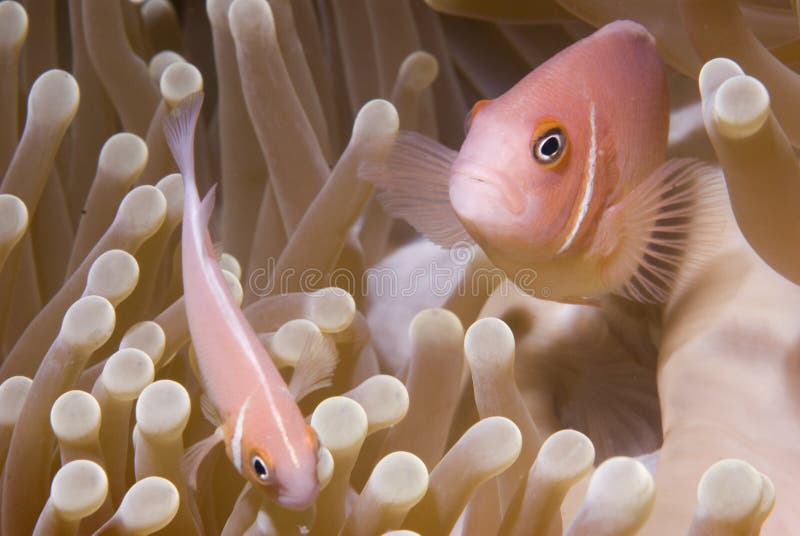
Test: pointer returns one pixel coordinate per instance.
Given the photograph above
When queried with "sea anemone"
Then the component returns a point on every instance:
(460, 404)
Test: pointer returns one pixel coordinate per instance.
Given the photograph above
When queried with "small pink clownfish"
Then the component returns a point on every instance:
(565, 175)
(264, 432)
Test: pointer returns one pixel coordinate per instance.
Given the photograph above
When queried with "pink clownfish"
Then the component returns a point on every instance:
(265, 435)
(565, 175)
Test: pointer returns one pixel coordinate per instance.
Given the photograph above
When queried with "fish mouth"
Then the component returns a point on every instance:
(296, 503)
(502, 191)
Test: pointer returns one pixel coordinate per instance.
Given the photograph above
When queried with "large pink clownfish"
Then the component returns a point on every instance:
(565, 175)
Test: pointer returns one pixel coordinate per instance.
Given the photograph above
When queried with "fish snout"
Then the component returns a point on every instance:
(297, 501)
(298, 493)
(471, 190)
(627, 29)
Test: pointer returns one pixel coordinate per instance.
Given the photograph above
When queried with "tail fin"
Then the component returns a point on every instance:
(179, 131)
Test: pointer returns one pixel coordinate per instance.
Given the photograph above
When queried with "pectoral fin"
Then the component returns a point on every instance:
(194, 456)
(209, 411)
(315, 366)
(667, 224)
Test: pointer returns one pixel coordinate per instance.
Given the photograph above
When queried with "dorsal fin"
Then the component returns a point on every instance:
(206, 210)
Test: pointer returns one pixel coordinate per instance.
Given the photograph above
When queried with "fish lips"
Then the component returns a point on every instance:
(296, 502)
(486, 205)
(476, 192)
(495, 211)
(483, 208)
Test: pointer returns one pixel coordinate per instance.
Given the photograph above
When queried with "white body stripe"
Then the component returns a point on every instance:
(238, 432)
(285, 438)
(591, 164)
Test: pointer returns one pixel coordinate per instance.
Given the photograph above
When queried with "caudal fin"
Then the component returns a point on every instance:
(179, 131)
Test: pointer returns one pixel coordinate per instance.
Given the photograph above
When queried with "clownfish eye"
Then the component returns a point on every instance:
(260, 469)
(549, 147)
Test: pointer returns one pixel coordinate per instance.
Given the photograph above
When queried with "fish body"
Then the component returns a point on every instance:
(262, 427)
(562, 180)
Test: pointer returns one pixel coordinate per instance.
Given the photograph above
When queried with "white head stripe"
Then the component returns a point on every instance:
(238, 432)
(589, 180)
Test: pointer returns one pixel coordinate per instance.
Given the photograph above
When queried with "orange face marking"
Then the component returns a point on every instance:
(550, 144)
(471, 115)
(312, 437)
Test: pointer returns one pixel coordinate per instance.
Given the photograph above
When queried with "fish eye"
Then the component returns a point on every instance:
(549, 147)
(260, 468)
